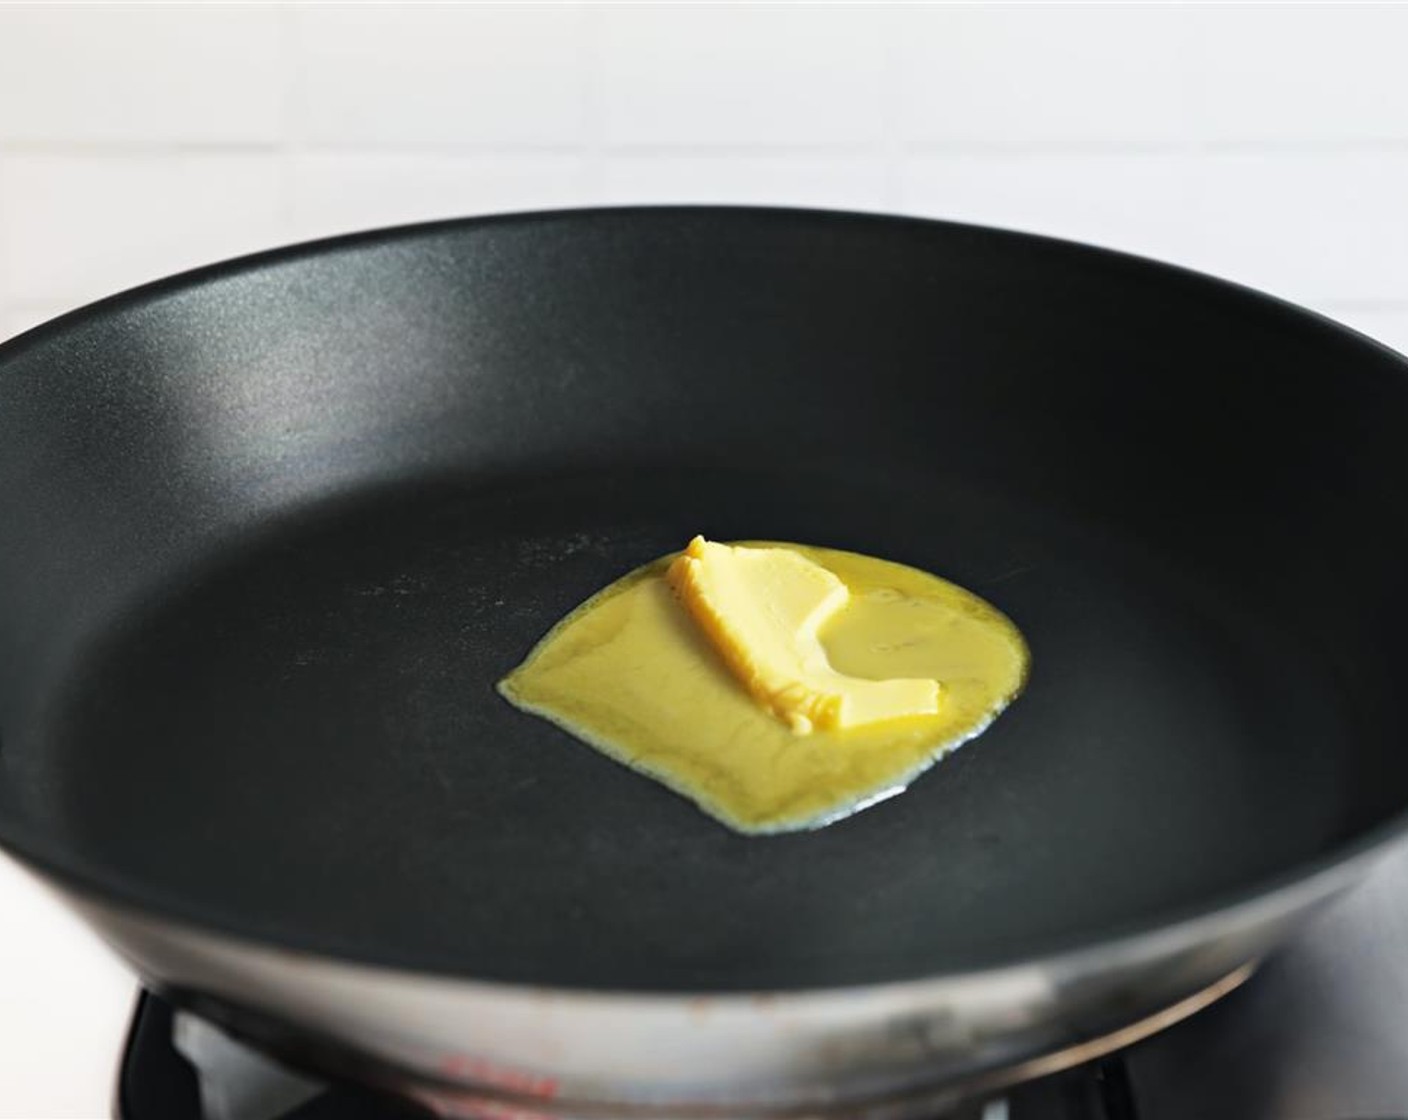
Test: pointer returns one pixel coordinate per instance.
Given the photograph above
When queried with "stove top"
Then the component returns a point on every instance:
(1319, 1033)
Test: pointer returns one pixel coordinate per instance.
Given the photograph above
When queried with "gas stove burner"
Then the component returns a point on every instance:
(206, 1076)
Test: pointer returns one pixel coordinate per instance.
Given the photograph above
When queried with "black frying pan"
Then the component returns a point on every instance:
(273, 530)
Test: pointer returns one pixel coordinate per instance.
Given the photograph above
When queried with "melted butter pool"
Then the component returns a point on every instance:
(629, 673)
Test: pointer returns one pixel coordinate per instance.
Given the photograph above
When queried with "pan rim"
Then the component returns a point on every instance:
(1315, 880)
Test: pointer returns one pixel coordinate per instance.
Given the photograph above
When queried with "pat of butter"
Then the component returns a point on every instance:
(763, 609)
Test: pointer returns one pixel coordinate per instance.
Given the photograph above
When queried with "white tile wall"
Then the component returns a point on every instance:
(415, 75)
(1043, 76)
(1312, 226)
(1292, 74)
(783, 75)
(796, 179)
(125, 75)
(335, 192)
(78, 226)
(1265, 142)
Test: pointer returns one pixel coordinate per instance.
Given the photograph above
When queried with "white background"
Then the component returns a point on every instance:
(1267, 143)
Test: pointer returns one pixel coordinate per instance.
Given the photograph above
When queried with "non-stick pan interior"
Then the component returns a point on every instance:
(276, 531)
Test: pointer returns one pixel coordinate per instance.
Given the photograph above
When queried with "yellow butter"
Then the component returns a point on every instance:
(631, 673)
(763, 609)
